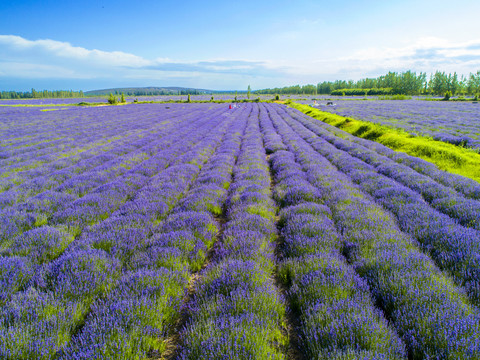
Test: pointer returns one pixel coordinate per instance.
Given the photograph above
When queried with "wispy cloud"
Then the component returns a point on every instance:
(25, 59)
(238, 67)
(49, 58)
(426, 54)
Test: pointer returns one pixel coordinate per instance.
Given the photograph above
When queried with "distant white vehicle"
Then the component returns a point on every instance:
(329, 103)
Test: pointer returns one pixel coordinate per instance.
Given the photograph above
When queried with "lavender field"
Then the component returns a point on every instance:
(453, 122)
(195, 231)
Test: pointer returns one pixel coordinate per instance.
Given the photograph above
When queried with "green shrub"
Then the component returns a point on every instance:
(362, 92)
(112, 100)
(447, 96)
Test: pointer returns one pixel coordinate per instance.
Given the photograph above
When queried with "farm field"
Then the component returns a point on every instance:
(195, 231)
(157, 98)
(453, 122)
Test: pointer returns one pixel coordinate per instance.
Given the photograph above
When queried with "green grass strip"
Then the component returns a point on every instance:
(448, 157)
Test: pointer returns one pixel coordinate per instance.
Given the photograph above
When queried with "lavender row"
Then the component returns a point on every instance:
(452, 122)
(444, 199)
(102, 203)
(236, 312)
(60, 129)
(156, 125)
(52, 176)
(59, 205)
(454, 248)
(117, 160)
(152, 288)
(86, 271)
(178, 247)
(337, 316)
(147, 128)
(467, 187)
(24, 127)
(110, 197)
(432, 316)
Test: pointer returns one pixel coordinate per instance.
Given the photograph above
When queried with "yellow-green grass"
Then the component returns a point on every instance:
(448, 157)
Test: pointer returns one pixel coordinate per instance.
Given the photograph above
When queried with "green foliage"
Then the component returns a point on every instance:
(362, 92)
(394, 97)
(447, 96)
(122, 100)
(277, 97)
(406, 83)
(188, 99)
(211, 99)
(248, 92)
(112, 100)
(41, 94)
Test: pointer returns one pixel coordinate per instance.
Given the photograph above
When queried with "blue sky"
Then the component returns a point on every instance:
(229, 44)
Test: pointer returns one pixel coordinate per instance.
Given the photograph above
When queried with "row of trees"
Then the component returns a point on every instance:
(407, 83)
(41, 94)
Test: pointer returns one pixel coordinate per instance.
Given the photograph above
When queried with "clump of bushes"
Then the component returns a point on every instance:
(447, 96)
(362, 92)
(112, 100)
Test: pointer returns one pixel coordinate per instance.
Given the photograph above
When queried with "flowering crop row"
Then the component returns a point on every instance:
(456, 122)
(201, 232)
(431, 315)
(454, 248)
(120, 183)
(337, 315)
(51, 142)
(136, 317)
(90, 266)
(51, 174)
(441, 197)
(236, 311)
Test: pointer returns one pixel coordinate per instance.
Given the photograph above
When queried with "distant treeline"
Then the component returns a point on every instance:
(41, 94)
(406, 83)
(140, 92)
(145, 93)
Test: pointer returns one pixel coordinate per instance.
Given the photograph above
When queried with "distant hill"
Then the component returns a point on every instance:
(138, 91)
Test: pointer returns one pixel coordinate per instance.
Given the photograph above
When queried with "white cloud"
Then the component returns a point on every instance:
(50, 59)
(19, 45)
(426, 54)
(46, 58)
